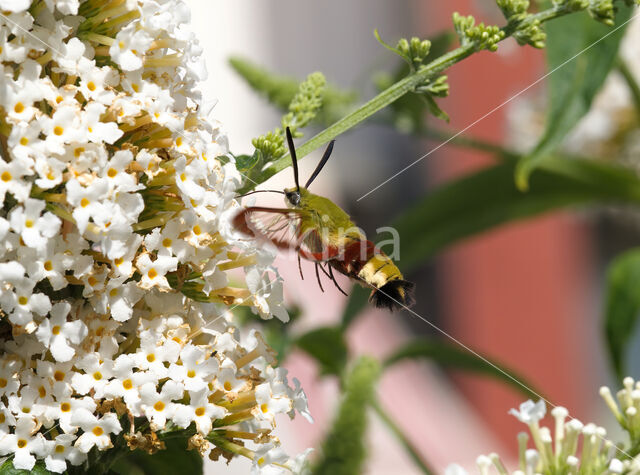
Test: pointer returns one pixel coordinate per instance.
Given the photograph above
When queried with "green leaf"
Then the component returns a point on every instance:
(456, 357)
(327, 346)
(434, 108)
(7, 468)
(489, 198)
(245, 163)
(580, 55)
(622, 306)
(358, 299)
(343, 450)
(174, 459)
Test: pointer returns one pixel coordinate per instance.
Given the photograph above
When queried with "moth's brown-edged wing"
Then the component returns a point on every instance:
(283, 227)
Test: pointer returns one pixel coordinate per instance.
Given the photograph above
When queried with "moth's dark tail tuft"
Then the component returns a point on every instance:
(393, 295)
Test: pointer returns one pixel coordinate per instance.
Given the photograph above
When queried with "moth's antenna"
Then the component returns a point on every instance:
(325, 157)
(294, 158)
(261, 191)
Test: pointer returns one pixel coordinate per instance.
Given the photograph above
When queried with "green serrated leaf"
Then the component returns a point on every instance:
(343, 450)
(622, 307)
(174, 459)
(327, 346)
(580, 55)
(455, 357)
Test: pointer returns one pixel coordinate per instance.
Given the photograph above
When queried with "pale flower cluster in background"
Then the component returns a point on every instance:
(116, 248)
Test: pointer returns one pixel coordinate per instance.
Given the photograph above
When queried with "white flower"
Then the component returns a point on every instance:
(200, 411)
(153, 272)
(56, 332)
(158, 407)
(530, 412)
(23, 444)
(87, 200)
(63, 451)
(195, 370)
(96, 431)
(454, 469)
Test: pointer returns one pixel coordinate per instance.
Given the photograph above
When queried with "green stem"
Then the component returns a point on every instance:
(632, 83)
(401, 88)
(406, 444)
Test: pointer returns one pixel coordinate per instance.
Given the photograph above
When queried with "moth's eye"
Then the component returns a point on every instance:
(294, 198)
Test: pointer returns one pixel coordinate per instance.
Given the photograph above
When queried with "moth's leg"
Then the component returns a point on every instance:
(318, 277)
(333, 278)
(300, 267)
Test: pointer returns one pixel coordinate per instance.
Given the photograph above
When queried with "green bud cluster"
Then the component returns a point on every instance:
(603, 11)
(514, 10)
(302, 109)
(414, 51)
(306, 103)
(572, 5)
(525, 32)
(480, 36)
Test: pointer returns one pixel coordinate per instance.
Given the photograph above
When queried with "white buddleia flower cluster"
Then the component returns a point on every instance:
(570, 447)
(117, 253)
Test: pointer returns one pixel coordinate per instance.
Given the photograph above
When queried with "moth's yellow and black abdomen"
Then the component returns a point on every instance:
(390, 289)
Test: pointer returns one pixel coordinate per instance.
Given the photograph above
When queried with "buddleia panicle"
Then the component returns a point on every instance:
(302, 109)
(305, 104)
(279, 90)
(479, 36)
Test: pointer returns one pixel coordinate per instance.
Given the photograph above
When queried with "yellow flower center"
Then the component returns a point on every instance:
(151, 357)
(28, 223)
(3, 383)
(179, 141)
(78, 151)
(97, 431)
(57, 130)
(166, 242)
(112, 172)
(58, 376)
(92, 280)
(200, 411)
(152, 274)
(18, 108)
(97, 375)
(42, 392)
(2, 418)
(113, 292)
(23, 300)
(191, 374)
(24, 141)
(56, 330)
(91, 86)
(59, 99)
(159, 406)
(59, 449)
(183, 176)
(127, 384)
(65, 407)
(227, 386)
(84, 202)
(135, 87)
(6, 176)
(264, 407)
(48, 266)
(197, 230)
(22, 443)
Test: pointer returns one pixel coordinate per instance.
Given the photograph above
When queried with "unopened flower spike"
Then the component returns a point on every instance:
(413, 51)
(479, 36)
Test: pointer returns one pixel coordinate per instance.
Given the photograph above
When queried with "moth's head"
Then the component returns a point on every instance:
(293, 196)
